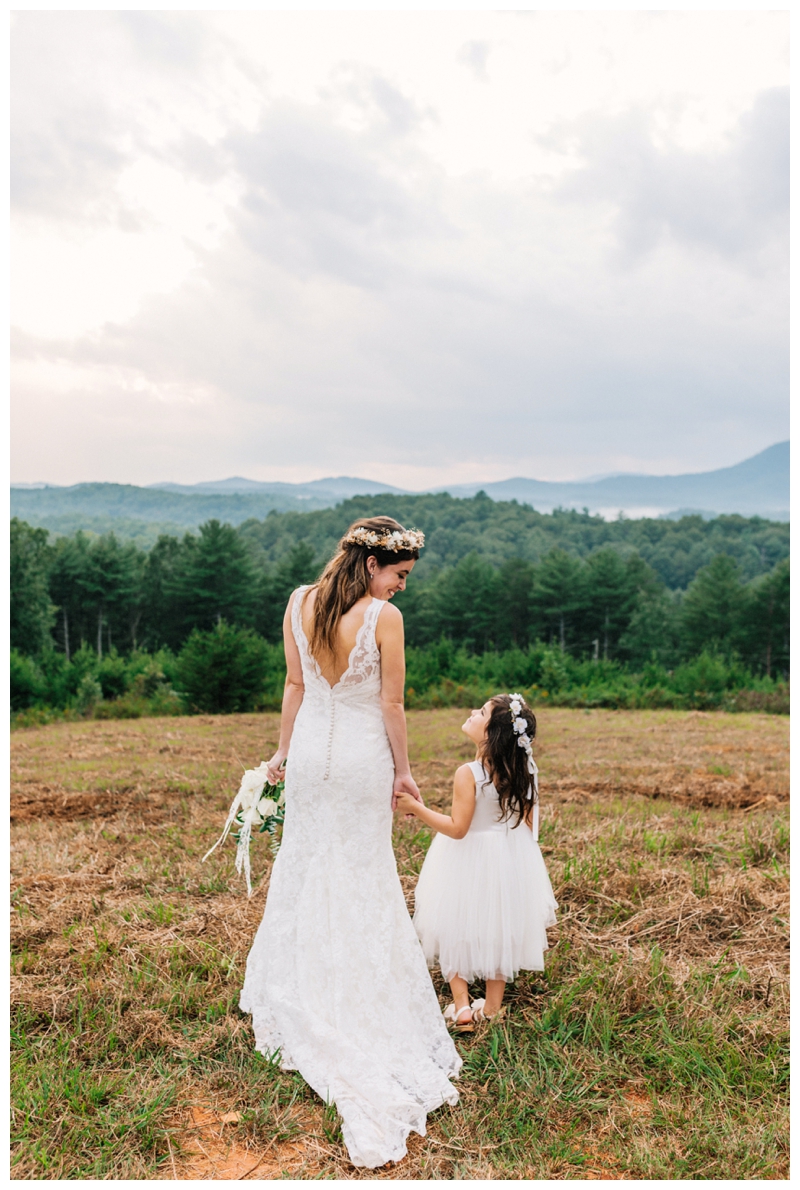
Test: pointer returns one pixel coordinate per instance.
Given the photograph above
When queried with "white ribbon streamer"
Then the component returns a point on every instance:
(247, 800)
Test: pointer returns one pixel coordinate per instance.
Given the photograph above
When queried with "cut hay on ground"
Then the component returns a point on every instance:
(655, 1046)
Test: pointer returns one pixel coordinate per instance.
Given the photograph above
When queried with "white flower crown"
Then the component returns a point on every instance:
(523, 739)
(409, 539)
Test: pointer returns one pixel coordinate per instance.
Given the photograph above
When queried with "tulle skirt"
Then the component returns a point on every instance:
(483, 904)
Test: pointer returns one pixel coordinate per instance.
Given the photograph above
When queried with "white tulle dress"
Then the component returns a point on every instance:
(336, 978)
(483, 903)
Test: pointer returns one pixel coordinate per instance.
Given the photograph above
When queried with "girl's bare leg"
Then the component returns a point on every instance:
(460, 989)
(495, 990)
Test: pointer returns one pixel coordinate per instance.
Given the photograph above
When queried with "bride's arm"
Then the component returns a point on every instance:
(293, 693)
(390, 639)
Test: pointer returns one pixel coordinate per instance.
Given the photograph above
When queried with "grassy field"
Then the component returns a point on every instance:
(654, 1046)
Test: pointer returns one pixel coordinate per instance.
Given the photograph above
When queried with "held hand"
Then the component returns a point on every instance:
(405, 783)
(405, 803)
(275, 773)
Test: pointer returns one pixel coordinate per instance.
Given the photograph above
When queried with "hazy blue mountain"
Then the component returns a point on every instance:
(342, 487)
(759, 486)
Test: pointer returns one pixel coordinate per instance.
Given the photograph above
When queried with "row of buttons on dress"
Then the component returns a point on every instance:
(326, 774)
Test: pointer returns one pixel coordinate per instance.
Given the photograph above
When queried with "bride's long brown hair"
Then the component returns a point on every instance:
(345, 580)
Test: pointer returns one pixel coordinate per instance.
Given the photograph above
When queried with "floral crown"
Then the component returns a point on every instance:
(523, 739)
(408, 539)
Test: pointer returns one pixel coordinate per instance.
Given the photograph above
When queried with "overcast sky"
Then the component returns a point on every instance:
(415, 247)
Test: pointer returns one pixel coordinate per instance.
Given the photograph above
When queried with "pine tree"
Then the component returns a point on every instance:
(32, 612)
(163, 614)
(607, 599)
(765, 621)
(466, 602)
(222, 670)
(712, 609)
(514, 608)
(297, 569)
(558, 595)
(111, 583)
(653, 632)
(70, 564)
(216, 579)
(612, 587)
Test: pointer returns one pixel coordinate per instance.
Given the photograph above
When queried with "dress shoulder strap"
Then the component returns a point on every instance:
(372, 613)
(482, 778)
(366, 646)
(479, 773)
(297, 618)
(365, 656)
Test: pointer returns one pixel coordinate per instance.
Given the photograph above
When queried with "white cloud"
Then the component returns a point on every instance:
(418, 247)
(733, 200)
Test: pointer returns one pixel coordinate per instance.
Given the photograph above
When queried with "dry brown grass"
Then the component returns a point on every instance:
(653, 1047)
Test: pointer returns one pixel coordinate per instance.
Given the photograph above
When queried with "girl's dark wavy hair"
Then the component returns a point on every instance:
(505, 761)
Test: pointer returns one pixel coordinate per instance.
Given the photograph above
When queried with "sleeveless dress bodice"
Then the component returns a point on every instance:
(336, 979)
(488, 816)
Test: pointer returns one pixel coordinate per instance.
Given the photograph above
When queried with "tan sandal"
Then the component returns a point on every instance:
(480, 1017)
(455, 1022)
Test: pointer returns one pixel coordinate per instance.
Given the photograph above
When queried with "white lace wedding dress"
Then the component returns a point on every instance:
(336, 978)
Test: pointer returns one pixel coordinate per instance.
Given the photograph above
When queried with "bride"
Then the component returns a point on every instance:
(336, 978)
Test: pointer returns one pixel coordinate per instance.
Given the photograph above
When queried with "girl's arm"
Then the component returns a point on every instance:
(457, 822)
(390, 641)
(293, 693)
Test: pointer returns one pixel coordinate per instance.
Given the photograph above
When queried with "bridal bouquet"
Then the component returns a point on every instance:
(257, 804)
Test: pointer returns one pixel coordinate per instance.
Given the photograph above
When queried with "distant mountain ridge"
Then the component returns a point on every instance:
(342, 486)
(758, 486)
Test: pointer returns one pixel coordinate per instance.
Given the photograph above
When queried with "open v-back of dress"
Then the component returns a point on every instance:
(336, 978)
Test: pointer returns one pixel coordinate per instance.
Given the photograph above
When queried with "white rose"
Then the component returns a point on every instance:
(523, 741)
(520, 725)
(266, 807)
(253, 782)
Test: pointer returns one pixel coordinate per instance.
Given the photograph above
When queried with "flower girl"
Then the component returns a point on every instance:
(483, 900)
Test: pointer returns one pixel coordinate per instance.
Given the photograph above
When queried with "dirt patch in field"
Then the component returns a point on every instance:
(47, 801)
(209, 1149)
(699, 790)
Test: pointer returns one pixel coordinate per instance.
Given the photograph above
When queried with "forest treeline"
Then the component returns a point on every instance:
(494, 580)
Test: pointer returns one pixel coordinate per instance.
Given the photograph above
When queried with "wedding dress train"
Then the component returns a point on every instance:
(336, 977)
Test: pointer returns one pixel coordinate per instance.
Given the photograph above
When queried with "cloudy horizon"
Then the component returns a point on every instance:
(419, 248)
